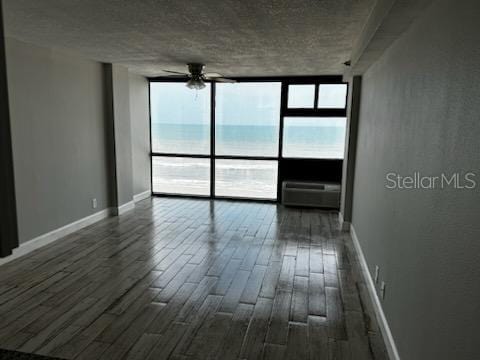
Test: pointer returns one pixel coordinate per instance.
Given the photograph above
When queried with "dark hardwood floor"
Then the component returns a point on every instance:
(193, 279)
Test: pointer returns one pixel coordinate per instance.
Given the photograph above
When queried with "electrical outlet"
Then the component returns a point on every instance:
(94, 203)
(377, 272)
(382, 290)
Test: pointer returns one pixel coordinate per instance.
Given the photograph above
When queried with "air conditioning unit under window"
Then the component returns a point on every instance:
(313, 194)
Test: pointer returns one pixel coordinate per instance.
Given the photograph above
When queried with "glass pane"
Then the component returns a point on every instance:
(301, 96)
(180, 118)
(246, 178)
(322, 138)
(247, 119)
(332, 96)
(178, 175)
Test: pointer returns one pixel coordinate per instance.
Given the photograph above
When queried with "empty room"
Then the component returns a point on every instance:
(264, 179)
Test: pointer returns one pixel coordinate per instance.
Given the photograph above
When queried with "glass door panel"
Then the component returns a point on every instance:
(256, 179)
(181, 175)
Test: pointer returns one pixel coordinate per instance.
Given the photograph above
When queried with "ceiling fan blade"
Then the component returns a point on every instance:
(224, 80)
(212, 75)
(174, 76)
(175, 72)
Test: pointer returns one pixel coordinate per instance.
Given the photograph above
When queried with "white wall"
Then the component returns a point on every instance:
(140, 122)
(59, 137)
(420, 109)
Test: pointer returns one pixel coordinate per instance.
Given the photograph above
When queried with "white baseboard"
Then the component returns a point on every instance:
(344, 225)
(56, 234)
(122, 209)
(377, 306)
(142, 196)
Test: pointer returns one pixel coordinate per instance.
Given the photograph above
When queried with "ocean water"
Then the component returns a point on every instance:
(299, 141)
(236, 178)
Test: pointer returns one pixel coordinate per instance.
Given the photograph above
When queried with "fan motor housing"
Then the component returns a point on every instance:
(196, 68)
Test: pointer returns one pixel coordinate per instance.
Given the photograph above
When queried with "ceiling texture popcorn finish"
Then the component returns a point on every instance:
(235, 38)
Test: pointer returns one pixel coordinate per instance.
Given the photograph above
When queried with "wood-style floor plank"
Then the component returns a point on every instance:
(297, 344)
(233, 340)
(193, 279)
(299, 311)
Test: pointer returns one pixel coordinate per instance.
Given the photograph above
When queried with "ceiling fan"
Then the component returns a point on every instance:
(198, 77)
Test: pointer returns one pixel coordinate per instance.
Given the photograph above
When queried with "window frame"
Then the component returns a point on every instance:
(315, 93)
(315, 111)
(284, 112)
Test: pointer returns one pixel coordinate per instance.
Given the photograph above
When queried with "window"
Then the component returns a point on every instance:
(230, 139)
(332, 96)
(180, 119)
(314, 137)
(301, 96)
(180, 175)
(247, 119)
(246, 178)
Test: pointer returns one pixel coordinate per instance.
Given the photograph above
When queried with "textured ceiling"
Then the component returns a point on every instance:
(233, 37)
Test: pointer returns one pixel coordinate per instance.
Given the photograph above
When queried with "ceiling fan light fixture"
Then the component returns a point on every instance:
(198, 77)
(195, 83)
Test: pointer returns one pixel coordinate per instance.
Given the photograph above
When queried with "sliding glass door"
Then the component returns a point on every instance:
(180, 131)
(247, 124)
